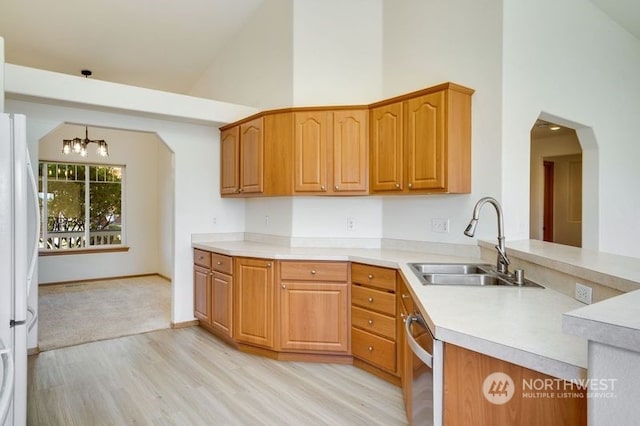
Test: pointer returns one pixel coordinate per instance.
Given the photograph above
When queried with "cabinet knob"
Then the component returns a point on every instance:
(410, 185)
(219, 263)
(322, 187)
(313, 272)
(370, 322)
(370, 348)
(404, 317)
(405, 296)
(336, 187)
(370, 300)
(370, 276)
(239, 190)
(284, 287)
(397, 185)
(269, 265)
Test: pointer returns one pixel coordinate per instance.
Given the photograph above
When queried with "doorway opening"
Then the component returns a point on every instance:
(556, 184)
(104, 288)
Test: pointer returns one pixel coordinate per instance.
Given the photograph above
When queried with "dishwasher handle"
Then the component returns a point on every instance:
(418, 350)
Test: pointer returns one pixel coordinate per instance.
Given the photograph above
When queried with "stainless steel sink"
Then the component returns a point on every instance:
(451, 268)
(465, 275)
(462, 279)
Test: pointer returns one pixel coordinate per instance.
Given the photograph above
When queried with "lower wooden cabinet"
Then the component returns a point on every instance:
(202, 286)
(222, 303)
(373, 313)
(314, 307)
(202, 293)
(253, 317)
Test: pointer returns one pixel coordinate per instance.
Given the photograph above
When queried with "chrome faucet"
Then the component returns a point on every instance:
(503, 260)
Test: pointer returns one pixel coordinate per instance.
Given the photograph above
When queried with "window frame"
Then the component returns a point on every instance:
(88, 249)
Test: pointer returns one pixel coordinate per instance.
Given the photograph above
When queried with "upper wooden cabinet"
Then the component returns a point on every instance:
(421, 142)
(416, 143)
(251, 157)
(330, 152)
(241, 154)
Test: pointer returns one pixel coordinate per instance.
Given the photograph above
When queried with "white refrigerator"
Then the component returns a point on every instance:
(18, 256)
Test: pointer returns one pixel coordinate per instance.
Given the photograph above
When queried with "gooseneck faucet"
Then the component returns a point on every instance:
(503, 260)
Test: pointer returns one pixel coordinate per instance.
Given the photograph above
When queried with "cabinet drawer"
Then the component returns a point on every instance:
(222, 263)
(376, 300)
(202, 258)
(373, 349)
(374, 322)
(314, 271)
(374, 276)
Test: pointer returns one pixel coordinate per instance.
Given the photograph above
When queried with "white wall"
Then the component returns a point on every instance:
(166, 209)
(427, 42)
(138, 152)
(591, 76)
(337, 52)
(256, 66)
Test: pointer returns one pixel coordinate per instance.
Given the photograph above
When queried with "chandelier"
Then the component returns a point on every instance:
(79, 146)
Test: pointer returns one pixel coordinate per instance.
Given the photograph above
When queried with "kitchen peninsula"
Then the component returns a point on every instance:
(520, 326)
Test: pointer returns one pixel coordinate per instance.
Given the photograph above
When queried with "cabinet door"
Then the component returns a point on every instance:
(230, 160)
(254, 297)
(202, 293)
(251, 156)
(314, 316)
(350, 147)
(387, 147)
(425, 141)
(311, 130)
(221, 303)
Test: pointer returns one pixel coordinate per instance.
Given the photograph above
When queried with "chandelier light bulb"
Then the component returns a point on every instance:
(79, 146)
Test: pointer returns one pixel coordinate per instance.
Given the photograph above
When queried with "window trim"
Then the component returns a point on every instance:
(110, 249)
(122, 247)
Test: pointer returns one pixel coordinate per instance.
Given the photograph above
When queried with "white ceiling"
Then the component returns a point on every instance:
(160, 44)
(624, 12)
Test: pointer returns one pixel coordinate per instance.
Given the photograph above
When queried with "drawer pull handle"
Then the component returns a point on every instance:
(370, 276)
(405, 296)
(370, 348)
(370, 300)
(313, 272)
(370, 322)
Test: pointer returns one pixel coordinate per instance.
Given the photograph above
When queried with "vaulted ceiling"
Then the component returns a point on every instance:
(160, 44)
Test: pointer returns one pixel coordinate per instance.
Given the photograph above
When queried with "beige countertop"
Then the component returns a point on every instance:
(518, 325)
(614, 322)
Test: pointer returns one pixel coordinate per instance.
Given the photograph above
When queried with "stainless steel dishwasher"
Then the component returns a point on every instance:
(427, 367)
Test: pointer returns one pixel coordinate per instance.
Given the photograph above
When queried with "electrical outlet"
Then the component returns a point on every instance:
(583, 293)
(351, 224)
(440, 225)
(215, 220)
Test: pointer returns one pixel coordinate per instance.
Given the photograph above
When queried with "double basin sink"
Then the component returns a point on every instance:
(465, 275)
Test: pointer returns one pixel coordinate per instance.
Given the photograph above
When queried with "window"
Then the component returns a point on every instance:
(74, 195)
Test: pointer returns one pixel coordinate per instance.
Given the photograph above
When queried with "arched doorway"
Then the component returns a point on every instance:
(556, 184)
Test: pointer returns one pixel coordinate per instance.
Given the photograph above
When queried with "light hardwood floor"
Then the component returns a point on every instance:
(188, 377)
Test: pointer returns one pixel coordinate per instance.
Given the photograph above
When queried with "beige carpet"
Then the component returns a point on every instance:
(71, 314)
